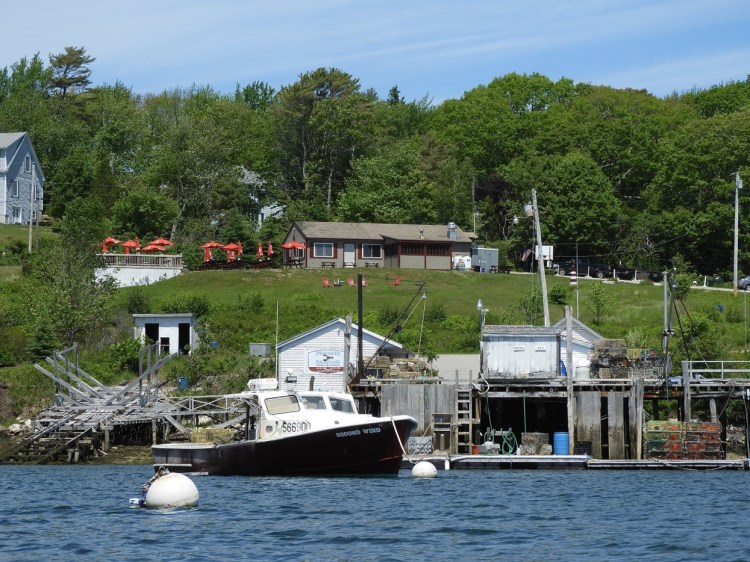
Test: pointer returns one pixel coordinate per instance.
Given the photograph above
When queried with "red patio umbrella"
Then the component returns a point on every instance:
(153, 248)
(207, 256)
(231, 249)
(109, 241)
(239, 251)
(162, 242)
(260, 250)
(130, 244)
(270, 248)
(293, 245)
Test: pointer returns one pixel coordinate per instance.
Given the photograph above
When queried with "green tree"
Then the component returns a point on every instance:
(599, 301)
(144, 212)
(389, 187)
(70, 70)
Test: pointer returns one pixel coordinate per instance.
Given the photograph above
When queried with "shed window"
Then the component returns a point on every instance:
(323, 250)
(27, 164)
(372, 251)
(14, 188)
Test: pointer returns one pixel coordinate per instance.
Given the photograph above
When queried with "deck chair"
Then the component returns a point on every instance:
(396, 282)
(326, 283)
(351, 282)
(364, 282)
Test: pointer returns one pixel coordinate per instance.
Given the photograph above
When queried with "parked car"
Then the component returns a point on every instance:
(744, 283)
(586, 267)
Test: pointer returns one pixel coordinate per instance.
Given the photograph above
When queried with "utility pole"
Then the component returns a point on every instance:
(31, 205)
(737, 187)
(540, 258)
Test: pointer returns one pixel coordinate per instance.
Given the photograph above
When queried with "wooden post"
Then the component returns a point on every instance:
(153, 431)
(571, 372)
(105, 447)
(616, 425)
(687, 414)
(712, 409)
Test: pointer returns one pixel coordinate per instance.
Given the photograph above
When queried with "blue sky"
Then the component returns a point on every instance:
(438, 49)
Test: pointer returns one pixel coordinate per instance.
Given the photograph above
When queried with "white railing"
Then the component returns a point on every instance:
(142, 260)
(719, 369)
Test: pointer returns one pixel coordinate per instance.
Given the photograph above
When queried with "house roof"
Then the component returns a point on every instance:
(579, 327)
(341, 322)
(7, 139)
(379, 231)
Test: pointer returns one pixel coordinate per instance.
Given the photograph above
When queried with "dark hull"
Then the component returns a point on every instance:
(371, 448)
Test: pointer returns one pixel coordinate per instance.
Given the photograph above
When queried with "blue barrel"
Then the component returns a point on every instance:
(182, 383)
(561, 443)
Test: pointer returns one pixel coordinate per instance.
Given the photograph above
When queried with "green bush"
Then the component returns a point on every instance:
(197, 303)
(559, 294)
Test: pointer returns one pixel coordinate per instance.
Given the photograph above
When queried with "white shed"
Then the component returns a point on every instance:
(520, 351)
(583, 338)
(174, 332)
(320, 353)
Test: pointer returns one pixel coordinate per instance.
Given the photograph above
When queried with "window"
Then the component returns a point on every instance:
(372, 251)
(16, 215)
(282, 404)
(323, 250)
(27, 164)
(14, 188)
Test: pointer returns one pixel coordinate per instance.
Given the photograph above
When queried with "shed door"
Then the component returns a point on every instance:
(350, 254)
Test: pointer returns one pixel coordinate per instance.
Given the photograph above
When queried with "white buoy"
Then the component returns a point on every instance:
(424, 469)
(172, 490)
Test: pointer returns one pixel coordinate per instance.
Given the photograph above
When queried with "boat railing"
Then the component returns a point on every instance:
(204, 405)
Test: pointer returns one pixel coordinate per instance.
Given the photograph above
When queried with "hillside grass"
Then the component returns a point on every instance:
(451, 318)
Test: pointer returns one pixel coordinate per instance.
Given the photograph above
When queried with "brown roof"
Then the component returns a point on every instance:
(379, 231)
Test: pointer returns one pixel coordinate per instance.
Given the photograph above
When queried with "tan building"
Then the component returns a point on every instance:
(409, 246)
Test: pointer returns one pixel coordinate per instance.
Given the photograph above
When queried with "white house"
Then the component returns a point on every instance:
(174, 332)
(583, 339)
(21, 180)
(320, 353)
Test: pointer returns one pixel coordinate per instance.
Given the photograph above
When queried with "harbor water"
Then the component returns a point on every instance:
(82, 513)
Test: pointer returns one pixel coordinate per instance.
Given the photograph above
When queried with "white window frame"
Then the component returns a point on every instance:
(27, 164)
(319, 247)
(14, 188)
(371, 254)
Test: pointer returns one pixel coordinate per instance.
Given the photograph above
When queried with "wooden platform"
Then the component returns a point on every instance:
(554, 462)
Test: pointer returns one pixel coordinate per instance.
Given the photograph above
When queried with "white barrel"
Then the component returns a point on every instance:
(583, 370)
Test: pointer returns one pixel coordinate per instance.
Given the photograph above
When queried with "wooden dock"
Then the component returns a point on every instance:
(566, 462)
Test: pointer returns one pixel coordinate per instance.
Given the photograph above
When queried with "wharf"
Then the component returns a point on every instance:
(554, 462)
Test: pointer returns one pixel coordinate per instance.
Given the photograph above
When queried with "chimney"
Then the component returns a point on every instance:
(451, 231)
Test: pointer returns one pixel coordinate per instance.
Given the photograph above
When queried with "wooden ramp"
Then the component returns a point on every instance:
(86, 410)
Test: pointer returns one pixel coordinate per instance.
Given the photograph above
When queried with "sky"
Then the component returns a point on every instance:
(436, 49)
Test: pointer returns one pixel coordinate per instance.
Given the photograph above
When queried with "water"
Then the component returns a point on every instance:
(82, 513)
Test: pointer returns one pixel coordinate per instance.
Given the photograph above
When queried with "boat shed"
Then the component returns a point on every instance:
(175, 333)
(327, 355)
(520, 351)
(583, 340)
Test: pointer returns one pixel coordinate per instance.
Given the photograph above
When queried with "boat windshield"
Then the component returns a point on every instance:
(282, 404)
(342, 405)
(314, 402)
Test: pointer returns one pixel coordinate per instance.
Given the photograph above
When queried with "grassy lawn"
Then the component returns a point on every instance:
(17, 232)
(304, 303)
